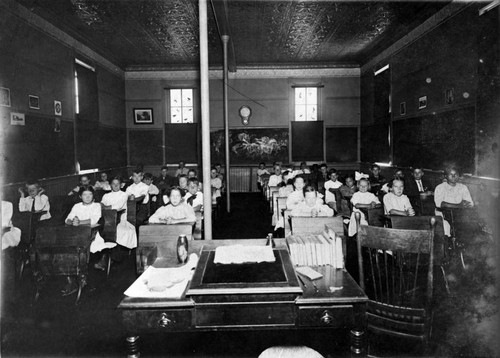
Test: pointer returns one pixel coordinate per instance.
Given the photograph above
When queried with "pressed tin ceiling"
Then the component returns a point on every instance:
(164, 34)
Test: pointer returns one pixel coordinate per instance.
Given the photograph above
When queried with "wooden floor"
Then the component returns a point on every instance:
(464, 323)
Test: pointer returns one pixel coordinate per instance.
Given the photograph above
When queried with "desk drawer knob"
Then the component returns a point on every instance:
(326, 318)
(164, 321)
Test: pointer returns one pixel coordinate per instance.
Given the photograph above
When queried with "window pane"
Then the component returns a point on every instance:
(175, 115)
(187, 114)
(175, 98)
(312, 95)
(187, 97)
(300, 95)
(312, 113)
(300, 113)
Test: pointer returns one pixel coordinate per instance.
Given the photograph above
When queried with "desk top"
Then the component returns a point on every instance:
(336, 286)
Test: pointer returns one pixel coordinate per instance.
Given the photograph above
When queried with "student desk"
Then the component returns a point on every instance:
(313, 306)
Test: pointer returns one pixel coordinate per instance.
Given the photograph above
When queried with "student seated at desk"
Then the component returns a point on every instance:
(102, 183)
(36, 200)
(138, 191)
(297, 196)
(260, 172)
(287, 189)
(386, 188)
(216, 184)
(11, 236)
(311, 206)
(117, 200)
(395, 202)
(415, 185)
(192, 174)
(183, 183)
(181, 170)
(331, 186)
(303, 169)
(376, 179)
(164, 181)
(84, 182)
(153, 190)
(362, 199)
(451, 194)
(275, 179)
(194, 196)
(176, 212)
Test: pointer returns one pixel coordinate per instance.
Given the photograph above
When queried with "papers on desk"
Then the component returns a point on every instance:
(308, 272)
(316, 250)
(163, 282)
(238, 254)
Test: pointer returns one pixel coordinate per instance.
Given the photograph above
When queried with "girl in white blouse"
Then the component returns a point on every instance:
(176, 212)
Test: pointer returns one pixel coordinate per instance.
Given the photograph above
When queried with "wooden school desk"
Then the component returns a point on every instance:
(332, 302)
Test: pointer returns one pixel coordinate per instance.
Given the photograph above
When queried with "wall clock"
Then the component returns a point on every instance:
(245, 112)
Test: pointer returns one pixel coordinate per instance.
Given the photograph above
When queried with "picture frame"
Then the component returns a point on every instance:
(58, 108)
(422, 102)
(33, 102)
(4, 97)
(143, 116)
(17, 119)
(449, 96)
(402, 108)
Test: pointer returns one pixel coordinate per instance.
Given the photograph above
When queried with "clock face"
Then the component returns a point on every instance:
(245, 112)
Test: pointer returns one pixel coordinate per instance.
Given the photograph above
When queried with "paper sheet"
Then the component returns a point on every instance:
(163, 282)
(308, 272)
(238, 254)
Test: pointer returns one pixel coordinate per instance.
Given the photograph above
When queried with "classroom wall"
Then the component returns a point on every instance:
(270, 99)
(442, 60)
(34, 63)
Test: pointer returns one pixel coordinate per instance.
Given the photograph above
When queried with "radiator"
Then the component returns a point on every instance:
(240, 179)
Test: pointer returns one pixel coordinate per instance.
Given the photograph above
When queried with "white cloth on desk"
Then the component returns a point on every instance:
(41, 204)
(125, 231)
(138, 190)
(93, 213)
(12, 237)
(360, 198)
(330, 184)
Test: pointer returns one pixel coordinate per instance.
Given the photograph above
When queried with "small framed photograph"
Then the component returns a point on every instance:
(422, 102)
(402, 108)
(34, 102)
(4, 97)
(57, 125)
(17, 119)
(58, 108)
(143, 116)
(449, 96)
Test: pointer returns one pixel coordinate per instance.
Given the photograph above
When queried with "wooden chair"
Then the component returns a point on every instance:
(27, 222)
(198, 226)
(310, 225)
(153, 237)
(398, 283)
(273, 193)
(62, 250)
(427, 205)
(375, 216)
(131, 212)
(423, 223)
(286, 222)
(111, 219)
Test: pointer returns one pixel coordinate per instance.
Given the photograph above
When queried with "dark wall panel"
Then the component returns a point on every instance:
(35, 151)
(342, 144)
(181, 143)
(307, 141)
(112, 152)
(375, 143)
(145, 147)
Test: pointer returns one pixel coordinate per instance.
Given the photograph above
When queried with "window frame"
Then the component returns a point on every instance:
(318, 101)
(168, 114)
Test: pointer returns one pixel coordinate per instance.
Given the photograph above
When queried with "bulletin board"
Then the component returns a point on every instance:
(307, 141)
(342, 144)
(146, 147)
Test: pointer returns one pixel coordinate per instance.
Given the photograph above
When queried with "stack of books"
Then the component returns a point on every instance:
(316, 250)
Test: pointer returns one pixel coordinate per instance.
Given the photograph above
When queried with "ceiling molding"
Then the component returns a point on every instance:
(246, 73)
(59, 35)
(428, 25)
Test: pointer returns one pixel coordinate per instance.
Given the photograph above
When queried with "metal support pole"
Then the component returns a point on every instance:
(225, 40)
(205, 121)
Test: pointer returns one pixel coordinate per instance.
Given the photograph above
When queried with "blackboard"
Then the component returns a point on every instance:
(181, 142)
(251, 145)
(375, 143)
(35, 151)
(112, 146)
(146, 147)
(87, 143)
(307, 141)
(342, 144)
(437, 140)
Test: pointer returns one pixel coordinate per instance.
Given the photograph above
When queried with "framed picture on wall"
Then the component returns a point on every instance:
(402, 108)
(34, 102)
(422, 102)
(449, 96)
(17, 119)
(58, 108)
(4, 97)
(143, 116)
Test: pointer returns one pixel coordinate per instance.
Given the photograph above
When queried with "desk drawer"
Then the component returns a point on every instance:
(231, 315)
(169, 319)
(326, 316)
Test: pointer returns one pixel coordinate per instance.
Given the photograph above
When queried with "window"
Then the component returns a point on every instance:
(181, 105)
(306, 103)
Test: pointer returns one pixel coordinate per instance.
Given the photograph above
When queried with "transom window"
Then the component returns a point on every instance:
(306, 103)
(181, 105)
